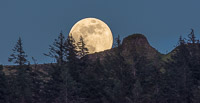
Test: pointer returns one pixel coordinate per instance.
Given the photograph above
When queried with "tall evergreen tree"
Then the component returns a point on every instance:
(22, 80)
(82, 48)
(55, 89)
(18, 56)
(57, 50)
(74, 68)
(71, 50)
(58, 87)
(117, 41)
(72, 57)
(192, 37)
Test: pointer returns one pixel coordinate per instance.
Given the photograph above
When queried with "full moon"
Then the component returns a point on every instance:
(96, 34)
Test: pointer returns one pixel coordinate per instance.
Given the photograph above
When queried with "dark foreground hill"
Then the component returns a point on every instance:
(134, 72)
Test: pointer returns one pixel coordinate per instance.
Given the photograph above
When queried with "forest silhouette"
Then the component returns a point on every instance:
(131, 72)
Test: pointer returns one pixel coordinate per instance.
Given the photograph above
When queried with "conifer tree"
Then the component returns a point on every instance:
(82, 48)
(192, 37)
(18, 56)
(72, 57)
(22, 80)
(57, 50)
(71, 50)
(73, 67)
(55, 88)
(117, 41)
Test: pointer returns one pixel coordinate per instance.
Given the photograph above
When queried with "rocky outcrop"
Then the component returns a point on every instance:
(137, 45)
(133, 45)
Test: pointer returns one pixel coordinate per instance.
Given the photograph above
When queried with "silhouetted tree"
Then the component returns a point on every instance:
(18, 56)
(73, 68)
(192, 37)
(117, 41)
(82, 48)
(72, 57)
(22, 80)
(57, 50)
(71, 50)
(55, 88)
(60, 83)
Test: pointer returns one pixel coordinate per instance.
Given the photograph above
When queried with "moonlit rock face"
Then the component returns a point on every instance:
(96, 34)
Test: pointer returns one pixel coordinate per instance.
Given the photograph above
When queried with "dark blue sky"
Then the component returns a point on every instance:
(38, 22)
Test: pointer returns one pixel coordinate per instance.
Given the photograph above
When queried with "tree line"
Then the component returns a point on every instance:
(30, 85)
